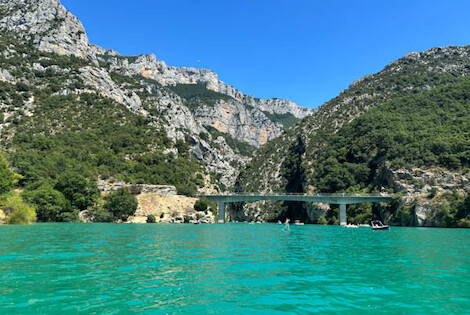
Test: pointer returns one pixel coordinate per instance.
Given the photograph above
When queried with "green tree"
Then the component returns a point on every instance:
(121, 203)
(151, 219)
(51, 205)
(18, 212)
(465, 208)
(6, 177)
(102, 215)
(182, 147)
(81, 192)
(201, 205)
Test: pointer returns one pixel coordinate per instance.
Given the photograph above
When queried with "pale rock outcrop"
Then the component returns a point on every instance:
(177, 116)
(245, 120)
(278, 106)
(6, 76)
(51, 27)
(169, 209)
(106, 186)
(149, 67)
(232, 117)
(97, 50)
(221, 160)
(425, 180)
(421, 186)
(102, 82)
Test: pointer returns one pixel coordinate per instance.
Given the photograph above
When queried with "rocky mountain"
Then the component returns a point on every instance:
(46, 58)
(251, 120)
(404, 130)
(48, 25)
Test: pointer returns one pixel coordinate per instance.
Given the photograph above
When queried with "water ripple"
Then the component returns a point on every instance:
(231, 269)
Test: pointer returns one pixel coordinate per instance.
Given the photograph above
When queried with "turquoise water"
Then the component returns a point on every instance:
(232, 269)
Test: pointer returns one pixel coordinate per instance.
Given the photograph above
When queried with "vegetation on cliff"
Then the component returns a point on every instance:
(425, 129)
(60, 135)
(414, 113)
(120, 203)
(82, 132)
(197, 95)
(12, 207)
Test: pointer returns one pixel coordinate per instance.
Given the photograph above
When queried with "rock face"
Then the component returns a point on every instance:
(149, 67)
(234, 118)
(136, 189)
(51, 27)
(143, 84)
(101, 80)
(169, 209)
(243, 117)
(423, 190)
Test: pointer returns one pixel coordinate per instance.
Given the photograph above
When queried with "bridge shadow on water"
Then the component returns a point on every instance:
(294, 210)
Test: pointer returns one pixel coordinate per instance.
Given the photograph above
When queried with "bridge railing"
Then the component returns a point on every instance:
(247, 194)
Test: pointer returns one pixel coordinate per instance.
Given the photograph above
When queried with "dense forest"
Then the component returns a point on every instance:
(414, 114)
(425, 129)
(85, 132)
(428, 129)
(75, 138)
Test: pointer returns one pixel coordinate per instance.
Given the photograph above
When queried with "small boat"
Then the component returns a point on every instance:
(352, 226)
(377, 225)
(297, 222)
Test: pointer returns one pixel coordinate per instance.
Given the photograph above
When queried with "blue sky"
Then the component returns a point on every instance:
(303, 50)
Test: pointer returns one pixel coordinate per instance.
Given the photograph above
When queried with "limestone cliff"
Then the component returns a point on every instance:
(169, 209)
(241, 116)
(426, 191)
(142, 84)
(48, 24)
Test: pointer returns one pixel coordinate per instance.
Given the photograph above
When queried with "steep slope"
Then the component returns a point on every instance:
(360, 139)
(51, 122)
(45, 54)
(47, 24)
(213, 103)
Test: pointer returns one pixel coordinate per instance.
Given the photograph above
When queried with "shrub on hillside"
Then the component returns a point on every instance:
(81, 192)
(102, 215)
(6, 177)
(121, 203)
(51, 205)
(151, 219)
(186, 189)
(201, 205)
(18, 212)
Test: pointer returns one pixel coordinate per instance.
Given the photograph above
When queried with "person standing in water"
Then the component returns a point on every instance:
(286, 227)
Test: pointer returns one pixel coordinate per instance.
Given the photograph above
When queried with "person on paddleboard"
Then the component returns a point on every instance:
(286, 227)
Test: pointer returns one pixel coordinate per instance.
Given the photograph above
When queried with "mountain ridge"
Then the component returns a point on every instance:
(143, 85)
(413, 74)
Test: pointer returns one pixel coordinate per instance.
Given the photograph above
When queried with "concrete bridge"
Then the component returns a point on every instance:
(340, 199)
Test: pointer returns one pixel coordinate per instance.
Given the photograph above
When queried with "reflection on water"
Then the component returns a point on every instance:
(232, 268)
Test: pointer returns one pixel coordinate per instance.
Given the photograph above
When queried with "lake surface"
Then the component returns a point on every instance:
(232, 269)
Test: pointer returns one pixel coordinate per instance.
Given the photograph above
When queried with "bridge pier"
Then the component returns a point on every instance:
(221, 212)
(342, 214)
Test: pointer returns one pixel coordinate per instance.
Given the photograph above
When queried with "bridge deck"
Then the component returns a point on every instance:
(323, 198)
(341, 199)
